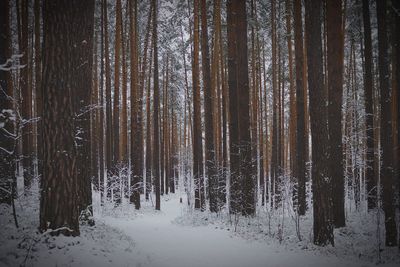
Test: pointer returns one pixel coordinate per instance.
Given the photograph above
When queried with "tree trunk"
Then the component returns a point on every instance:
(387, 175)
(109, 129)
(7, 113)
(156, 103)
(300, 169)
(335, 43)
(396, 47)
(62, 83)
(197, 132)
(235, 186)
(369, 112)
(208, 117)
(323, 224)
(26, 94)
(81, 93)
(136, 107)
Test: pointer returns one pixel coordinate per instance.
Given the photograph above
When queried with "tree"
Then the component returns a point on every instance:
(300, 170)
(81, 93)
(109, 124)
(26, 96)
(197, 132)
(148, 120)
(7, 113)
(335, 43)
(242, 179)
(396, 46)
(369, 112)
(117, 71)
(321, 181)
(64, 45)
(387, 175)
(208, 117)
(136, 106)
(156, 103)
(275, 170)
(246, 168)
(235, 186)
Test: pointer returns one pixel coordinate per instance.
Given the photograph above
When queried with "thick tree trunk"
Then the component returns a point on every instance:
(235, 186)
(62, 83)
(323, 223)
(246, 168)
(387, 175)
(26, 97)
(396, 47)
(209, 116)
(369, 111)
(82, 92)
(7, 112)
(242, 187)
(335, 56)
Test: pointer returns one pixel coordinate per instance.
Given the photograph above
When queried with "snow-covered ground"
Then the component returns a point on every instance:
(173, 237)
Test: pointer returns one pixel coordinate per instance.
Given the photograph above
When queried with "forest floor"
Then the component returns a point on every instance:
(173, 237)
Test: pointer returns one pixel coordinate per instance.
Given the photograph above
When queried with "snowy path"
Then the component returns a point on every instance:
(167, 244)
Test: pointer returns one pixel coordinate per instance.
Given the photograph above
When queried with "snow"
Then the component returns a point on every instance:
(174, 237)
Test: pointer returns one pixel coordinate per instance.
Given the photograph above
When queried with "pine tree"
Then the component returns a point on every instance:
(387, 175)
(26, 95)
(61, 83)
(369, 111)
(242, 178)
(335, 43)
(300, 170)
(136, 107)
(7, 112)
(210, 158)
(197, 132)
(321, 181)
(108, 104)
(156, 103)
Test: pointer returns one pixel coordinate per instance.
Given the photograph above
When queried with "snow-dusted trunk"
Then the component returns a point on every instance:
(7, 113)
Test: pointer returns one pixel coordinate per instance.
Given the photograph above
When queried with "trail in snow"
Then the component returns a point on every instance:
(167, 244)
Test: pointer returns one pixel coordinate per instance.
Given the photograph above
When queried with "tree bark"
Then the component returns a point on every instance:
(209, 116)
(65, 46)
(156, 103)
(7, 113)
(369, 111)
(321, 181)
(387, 175)
(197, 131)
(335, 43)
(300, 170)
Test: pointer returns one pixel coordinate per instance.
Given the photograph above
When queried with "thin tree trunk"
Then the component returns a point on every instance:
(156, 101)
(197, 132)
(300, 170)
(109, 130)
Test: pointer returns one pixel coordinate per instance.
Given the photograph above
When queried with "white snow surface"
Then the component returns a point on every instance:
(173, 237)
